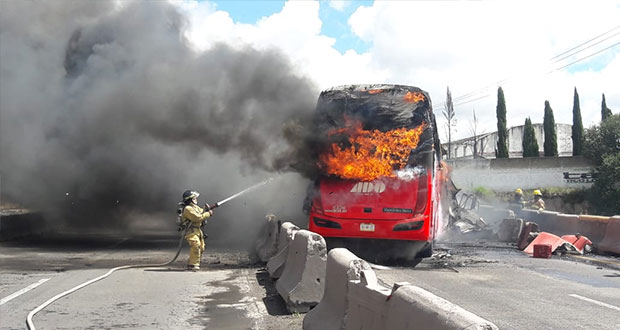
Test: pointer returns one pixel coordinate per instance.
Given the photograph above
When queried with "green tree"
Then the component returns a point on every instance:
(605, 111)
(551, 139)
(530, 145)
(449, 114)
(602, 146)
(502, 132)
(577, 130)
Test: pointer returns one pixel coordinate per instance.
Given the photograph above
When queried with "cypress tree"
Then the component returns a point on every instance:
(502, 133)
(530, 145)
(605, 111)
(449, 114)
(577, 130)
(551, 139)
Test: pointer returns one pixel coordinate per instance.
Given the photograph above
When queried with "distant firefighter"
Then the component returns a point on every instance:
(196, 217)
(517, 201)
(538, 203)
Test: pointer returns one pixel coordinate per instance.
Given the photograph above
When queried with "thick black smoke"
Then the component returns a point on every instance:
(108, 114)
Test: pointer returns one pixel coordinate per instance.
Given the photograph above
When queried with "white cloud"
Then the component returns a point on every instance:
(296, 31)
(339, 5)
(473, 45)
(469, 46)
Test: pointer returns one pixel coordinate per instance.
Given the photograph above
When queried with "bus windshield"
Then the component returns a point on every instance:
(369, 132)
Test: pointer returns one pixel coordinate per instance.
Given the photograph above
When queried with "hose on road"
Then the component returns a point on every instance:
(29, 321)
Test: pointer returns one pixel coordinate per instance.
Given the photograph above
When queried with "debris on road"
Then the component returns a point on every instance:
(582, 243)
(464, 217)
(542, 251)
(529, 231)
(568, 243)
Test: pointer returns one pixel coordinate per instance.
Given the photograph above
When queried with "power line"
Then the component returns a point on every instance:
(586, 57)
(464, 97)
(586, 42)
(575, 53)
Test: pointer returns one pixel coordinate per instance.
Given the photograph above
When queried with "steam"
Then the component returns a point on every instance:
(107, 112)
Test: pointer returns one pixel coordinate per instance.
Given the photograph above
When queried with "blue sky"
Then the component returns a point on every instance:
(334, 21)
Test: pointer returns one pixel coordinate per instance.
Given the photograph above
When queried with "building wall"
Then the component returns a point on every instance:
(506, 175)
(487, 143)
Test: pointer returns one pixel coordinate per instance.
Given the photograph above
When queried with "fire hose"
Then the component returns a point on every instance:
(29, 321)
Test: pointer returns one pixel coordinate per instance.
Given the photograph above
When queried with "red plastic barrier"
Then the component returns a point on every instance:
(544, 238)
(542, 251)
(578, 241)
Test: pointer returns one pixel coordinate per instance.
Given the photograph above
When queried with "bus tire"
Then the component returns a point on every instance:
(427, 252)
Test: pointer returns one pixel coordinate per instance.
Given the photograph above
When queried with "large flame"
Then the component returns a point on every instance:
(370, 154)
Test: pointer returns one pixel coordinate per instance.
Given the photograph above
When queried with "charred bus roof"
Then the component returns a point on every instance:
(382, 107)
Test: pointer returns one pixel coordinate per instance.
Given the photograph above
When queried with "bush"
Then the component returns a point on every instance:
(483, 192)
(602, 146)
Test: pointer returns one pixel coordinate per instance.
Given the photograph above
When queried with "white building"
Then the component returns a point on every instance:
(487, 143)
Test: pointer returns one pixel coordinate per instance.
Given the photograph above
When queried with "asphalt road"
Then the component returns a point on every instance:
(230, 292)
(494, 281)
(515, 291)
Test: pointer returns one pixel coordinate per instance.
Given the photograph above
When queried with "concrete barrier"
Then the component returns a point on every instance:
(510, 230)
(546, 220)
(22, 224)
(303, 278)
(266, 244)
(611, 240)
(342, 267)
(566, 224)
(593, 226)
(275, 265)
(368, 303)
(411, 307)
(528, 215)
(354, 301)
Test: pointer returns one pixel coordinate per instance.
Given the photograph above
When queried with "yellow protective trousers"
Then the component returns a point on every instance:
(196, 246)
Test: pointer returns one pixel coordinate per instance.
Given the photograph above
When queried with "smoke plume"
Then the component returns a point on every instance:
(107, 112)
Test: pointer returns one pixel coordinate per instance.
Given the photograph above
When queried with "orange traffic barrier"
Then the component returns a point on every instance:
(611, 241)
(598, 218)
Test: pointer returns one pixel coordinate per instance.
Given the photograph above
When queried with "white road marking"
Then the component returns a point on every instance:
(22, 291)
(616, 308)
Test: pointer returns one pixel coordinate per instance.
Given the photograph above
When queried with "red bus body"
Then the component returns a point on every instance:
(398, 209)
(403, 210)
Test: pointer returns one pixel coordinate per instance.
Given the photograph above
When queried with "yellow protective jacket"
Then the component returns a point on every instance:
(195, 214)
(538, 204)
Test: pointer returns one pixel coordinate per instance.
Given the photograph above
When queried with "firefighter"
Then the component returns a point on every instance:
(195, 216)
(517, 199)
(538, 203)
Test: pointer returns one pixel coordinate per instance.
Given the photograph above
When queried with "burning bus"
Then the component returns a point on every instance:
(379, 181)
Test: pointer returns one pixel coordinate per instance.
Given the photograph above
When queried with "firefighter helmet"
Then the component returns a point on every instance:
(537, 193)
(519, 191)
(190, 194)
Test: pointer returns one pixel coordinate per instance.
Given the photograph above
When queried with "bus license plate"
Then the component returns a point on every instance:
(367, 227)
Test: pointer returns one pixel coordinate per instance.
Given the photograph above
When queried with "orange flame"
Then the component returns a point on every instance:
(371, 154)
(414, 97)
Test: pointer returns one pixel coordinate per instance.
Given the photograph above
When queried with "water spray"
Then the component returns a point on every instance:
(246, 190)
